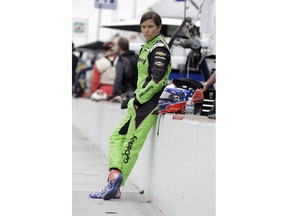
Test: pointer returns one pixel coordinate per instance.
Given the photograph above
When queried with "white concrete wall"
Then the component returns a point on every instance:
(176, 169)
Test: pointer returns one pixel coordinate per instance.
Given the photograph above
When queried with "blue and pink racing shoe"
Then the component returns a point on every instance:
(112, 190)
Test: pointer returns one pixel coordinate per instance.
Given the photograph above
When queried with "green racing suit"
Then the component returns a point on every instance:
(127, 139)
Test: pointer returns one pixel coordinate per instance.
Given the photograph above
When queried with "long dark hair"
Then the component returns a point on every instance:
(151, 15)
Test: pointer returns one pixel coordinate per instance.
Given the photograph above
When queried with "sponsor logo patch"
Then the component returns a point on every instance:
(159, 63)
(129, 147)
(160, 57)
(160, 53)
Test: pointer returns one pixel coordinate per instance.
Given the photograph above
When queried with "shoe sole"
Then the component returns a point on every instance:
(113, 191)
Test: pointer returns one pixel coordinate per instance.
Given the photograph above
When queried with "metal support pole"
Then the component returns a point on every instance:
(185, 6)
(99, 23)
(135, 7)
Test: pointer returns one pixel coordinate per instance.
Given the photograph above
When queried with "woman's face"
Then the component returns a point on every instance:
(149, 29)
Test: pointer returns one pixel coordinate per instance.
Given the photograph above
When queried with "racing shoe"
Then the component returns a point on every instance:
(100, 194)
(114, 182)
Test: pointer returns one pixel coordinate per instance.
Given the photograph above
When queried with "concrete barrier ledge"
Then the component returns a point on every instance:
(175, 169)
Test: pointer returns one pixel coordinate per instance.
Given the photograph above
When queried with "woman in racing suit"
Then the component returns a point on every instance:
(127, 139)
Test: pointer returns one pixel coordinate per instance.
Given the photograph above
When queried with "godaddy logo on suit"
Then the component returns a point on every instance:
(129, 147)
